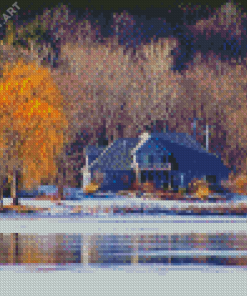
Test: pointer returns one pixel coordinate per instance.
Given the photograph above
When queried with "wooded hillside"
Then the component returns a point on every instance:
(111, 90)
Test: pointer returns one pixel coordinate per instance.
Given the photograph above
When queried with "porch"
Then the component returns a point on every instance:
(158, 173)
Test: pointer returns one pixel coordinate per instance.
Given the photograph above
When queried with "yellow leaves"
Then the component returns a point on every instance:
(26, 86)
(24, 80)
(34, 108)
(202, 192)
(9, 39)
(92, 187)
(241, 182)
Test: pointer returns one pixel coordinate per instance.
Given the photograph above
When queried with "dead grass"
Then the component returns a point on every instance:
(22, 209)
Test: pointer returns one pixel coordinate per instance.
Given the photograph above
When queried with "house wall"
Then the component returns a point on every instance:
(115, 180)
(91, 158)
(151, 152)
(86, 178)
(190, 163)
(187, 164)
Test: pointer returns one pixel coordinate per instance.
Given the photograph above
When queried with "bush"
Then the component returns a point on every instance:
(199, 187)
(182, 190)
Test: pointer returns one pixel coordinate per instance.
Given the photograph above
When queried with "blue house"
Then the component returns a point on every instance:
(170, 160)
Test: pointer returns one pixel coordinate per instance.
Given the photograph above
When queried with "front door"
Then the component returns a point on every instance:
(147, 176)
(172, 181)
(165, 179)
(143, 176)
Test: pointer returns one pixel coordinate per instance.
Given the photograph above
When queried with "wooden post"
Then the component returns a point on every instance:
(13, 189)
(60, 192)
(182, 180)
(1, 193)
(138, 174)
(169, 181)
(86, 177)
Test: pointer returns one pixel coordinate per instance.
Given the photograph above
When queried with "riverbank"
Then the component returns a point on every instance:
(22, 209)
(119, 205)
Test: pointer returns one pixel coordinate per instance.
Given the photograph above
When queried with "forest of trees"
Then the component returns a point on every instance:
(57, 97)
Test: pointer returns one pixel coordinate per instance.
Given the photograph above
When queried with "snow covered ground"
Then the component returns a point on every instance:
(128, 280)
(121, 225)
(110, 203)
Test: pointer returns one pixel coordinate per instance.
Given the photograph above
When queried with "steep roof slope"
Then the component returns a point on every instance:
(117, 156)
(181, 139)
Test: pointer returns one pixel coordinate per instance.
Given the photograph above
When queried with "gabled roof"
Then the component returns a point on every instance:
(181, 139)
(117, 156)
(143, 138)
(94, 150)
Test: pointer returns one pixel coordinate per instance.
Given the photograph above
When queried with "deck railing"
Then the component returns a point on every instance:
(154, 166)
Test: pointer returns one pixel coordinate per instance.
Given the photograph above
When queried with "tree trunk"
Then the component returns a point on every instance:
(1, 193)
(60, 192)
(13, 190)
(1, 197)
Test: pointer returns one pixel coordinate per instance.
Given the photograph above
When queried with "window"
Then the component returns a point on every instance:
(211, 178)
(172, 160)
(150, 158)
(163, 159)
(145, 159)
(143, 177)
(125, 178)
(158, 174)
(165, 176)
(150, 176)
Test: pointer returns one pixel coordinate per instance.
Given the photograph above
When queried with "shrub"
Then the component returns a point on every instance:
(182, 190)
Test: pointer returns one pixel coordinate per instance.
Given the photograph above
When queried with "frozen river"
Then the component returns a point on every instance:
(100, 252)
(142, 280)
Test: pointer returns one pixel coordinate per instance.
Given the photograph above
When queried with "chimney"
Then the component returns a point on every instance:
(144, 135)
(194, 128)
(167, 130)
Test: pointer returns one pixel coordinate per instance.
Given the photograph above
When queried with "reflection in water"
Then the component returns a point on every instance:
(223, 249)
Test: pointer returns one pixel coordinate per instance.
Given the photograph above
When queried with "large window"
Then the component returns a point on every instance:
(145, 159)
(211, 178)
(150, 158)
(150, 176)
(143, 177)
(147, 176)
(172, 160)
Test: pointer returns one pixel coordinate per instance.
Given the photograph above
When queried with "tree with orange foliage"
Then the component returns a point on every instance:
(9, 162)
(32, 108)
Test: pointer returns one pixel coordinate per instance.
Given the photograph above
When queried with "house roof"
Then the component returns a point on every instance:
(117, 156)
(94, 150)
(181, 139)
(143, 138)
